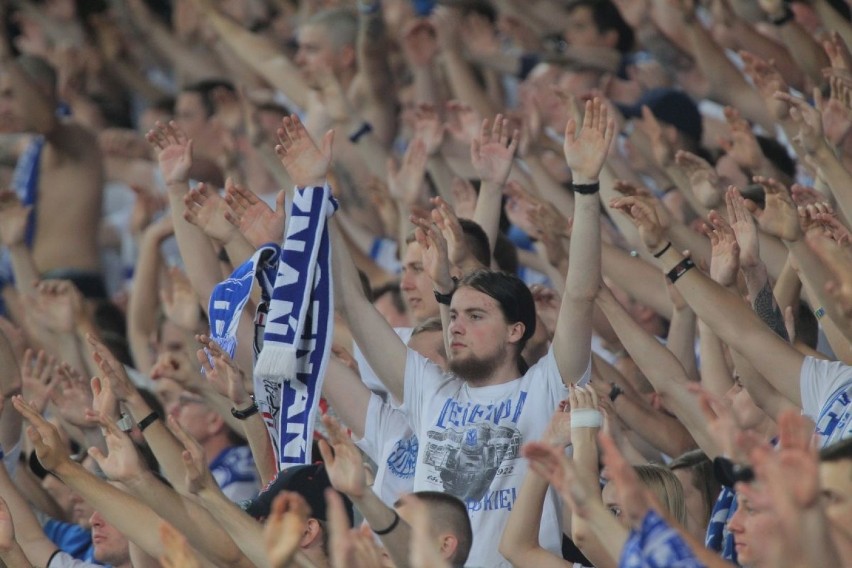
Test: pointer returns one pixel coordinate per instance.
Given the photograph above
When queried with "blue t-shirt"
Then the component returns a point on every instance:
(71, 538)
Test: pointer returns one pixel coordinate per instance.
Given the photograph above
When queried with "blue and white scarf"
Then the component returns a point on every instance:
(657, 545)
(297, 338)
(229, 297)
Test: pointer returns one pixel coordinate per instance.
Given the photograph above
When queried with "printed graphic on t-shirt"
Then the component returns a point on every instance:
(471, 444)
(832, 425)
(402, 460)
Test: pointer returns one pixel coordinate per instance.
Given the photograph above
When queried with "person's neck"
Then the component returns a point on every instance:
(505, 373)
(317, 557)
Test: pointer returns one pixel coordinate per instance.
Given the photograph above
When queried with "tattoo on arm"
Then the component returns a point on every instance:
(764, 305)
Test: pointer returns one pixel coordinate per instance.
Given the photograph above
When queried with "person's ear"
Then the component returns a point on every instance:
(449, 543)
(516, 332)
(312, 534)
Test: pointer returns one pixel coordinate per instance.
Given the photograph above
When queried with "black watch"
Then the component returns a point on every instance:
(446, 298)
(243, 414)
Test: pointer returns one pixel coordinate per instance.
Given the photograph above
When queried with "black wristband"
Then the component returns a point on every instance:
(788, 16)
(365, 129)
(148, 420)
(586, 188)
(392, 526)
(243, 414)
(615, 392)
(445, 299)
(682, 268)
(663, 251)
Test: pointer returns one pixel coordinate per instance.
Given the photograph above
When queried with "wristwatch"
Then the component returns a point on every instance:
(245, 413)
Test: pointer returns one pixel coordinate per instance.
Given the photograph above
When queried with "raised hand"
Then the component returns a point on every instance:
(38, 378)
(586, 151)
(344, 464)
(779, 216)
(661, 149)
(646, 219)
(558, 431)
(123, 462)
(744, 228)
(174, 152)
(429, 128)
(284, 528)
(583, 400)
(381, 198)
(742, 145)
(702, 178)
(179, 300)
(768, 81)
(224, 375)
(725, 251)
(348, 548)
(111, 370)
(436, 261)
(406, 181)
(492, 153)
(458, 252)
(256, 221)
(306, 164)
(176, 551)
(207, 211)
(72, 397)
(13, 218)
(178, 367)
(838, 260)
(551, 463)
(198, 476)
(51, 451)
(58, 305)
(464, 198)
(104, 402)
(811, 136)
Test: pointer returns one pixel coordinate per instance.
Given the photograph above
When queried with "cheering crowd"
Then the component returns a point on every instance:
(372, 283)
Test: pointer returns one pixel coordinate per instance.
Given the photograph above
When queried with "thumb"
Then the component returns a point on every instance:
(327, 142)
(280, 200)
(97, 455)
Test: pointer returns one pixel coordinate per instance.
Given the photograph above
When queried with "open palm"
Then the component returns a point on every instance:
(586, 151)
(306, 164)
(174, 151)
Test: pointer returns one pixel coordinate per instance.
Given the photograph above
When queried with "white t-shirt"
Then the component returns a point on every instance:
(64, 560)
(470, 442)
(826, 395)
(390, 442)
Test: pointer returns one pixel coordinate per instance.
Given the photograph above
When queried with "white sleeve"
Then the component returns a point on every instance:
(553, 379)
(372, 444)
(64, 560)
(819, 379)
(11, 457)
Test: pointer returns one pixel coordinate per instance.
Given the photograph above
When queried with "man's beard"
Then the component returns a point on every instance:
(477, 370)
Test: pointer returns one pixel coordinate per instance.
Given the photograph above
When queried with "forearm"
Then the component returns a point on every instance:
(762, 299)
(666, 434)
(520, 541)
(260, 444)
(28, 530)
(127, 514)
(262, 55)
(372, 47)
(489, 203)
(640, 279)
(349, 397)
(15, 557)
(806, 52)
(832, 20)
(202, 264)
(716, 377)
(815, 275)
(166, 448)
(764, 395)
(836, 176)
(24, 269)
(463, 83)
(246, 532)
(788, 288)
(143, 303)
(200, 529)
(548, 187)
(680, 341)
(380, 344)
(379, 516)
(239, 249)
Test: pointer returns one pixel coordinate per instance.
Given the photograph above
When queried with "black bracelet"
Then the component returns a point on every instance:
(662, 252)
(682, 268)
(365, 129)
(445, 299)
(243, 414)
(615, 392)
(392, 526)
(781, 20)
(147, 421)
(586, 188)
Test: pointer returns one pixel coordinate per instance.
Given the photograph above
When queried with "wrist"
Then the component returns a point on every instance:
(137, 406)
(579, 179)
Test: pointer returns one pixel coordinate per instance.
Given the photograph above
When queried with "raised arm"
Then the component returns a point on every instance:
(585, 153)
(27, 530)
(724, 312)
